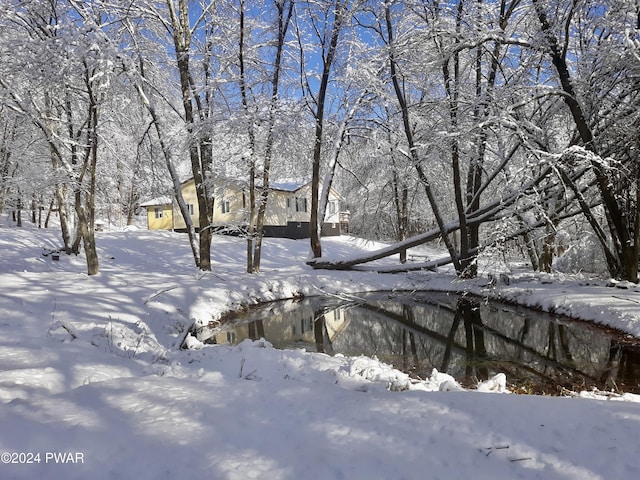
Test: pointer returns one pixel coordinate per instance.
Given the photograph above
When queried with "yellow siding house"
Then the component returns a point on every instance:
(287, 214)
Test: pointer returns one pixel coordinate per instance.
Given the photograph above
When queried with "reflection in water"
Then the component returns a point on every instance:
(470, 339)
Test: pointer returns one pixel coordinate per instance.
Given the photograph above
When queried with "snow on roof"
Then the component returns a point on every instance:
(288, 185)
(165, 200)
(284, 185)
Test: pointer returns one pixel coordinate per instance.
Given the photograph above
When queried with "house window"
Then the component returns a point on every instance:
(157, 212)
(190, 208)
(301, 204)
(225, 206)
(332, 208)
(306, 324)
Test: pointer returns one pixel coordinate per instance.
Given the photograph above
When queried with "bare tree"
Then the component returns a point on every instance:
(258, 206)
(401, 95)
(196, 109)
(145, 87)
(327, 20)
(66, 110)
(623, 261)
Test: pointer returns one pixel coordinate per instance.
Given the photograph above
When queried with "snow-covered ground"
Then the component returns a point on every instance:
(93, 383)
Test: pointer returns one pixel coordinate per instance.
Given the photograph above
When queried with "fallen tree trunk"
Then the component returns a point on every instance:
(354, 263)
(431, 265)
(494, 211)
(323, 263)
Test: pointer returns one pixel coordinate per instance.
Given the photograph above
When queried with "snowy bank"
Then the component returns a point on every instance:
(93, 382)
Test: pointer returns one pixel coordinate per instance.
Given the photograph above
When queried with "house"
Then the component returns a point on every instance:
(287, 214)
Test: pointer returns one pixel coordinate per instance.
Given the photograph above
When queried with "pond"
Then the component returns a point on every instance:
(464, 336)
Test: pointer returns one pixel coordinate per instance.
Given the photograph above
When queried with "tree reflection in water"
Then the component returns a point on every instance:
(464, 336)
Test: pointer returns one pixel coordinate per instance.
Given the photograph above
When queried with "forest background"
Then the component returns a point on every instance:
(492, 126)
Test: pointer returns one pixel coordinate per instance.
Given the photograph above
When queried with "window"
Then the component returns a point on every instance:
(301, 204)
(190, 208)
(306, 324)
(332, 208)
(157, 212)
(225, 206)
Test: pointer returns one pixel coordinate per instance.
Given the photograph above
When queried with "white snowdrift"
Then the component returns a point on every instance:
(93, 384)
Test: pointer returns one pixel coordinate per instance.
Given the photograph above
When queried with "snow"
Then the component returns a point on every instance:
(288, 185)
(165, 200)
(93, 383)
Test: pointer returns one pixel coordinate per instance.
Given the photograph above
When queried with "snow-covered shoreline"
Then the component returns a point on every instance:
(92, 365)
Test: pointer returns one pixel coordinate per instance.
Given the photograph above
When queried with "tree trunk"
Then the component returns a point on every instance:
(180, 22)
(327, 62)
(18, 213)
(48, 216)
(85, 196)
(57, 163)
(251, 215)
(63, 216)
(400, 199)
(205, 203)
(256, 232)
(33, 208)
(284, 16)
(633, 266)
(89, 237)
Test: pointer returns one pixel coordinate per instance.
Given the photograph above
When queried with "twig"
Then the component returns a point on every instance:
(250, 375)
(168, 289)
(241, 367)
(623, 298)
(69, 330)
(490, 450)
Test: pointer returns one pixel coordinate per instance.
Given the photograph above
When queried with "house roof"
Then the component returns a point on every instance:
(288, 185)
(157, 201)
(285, 185)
